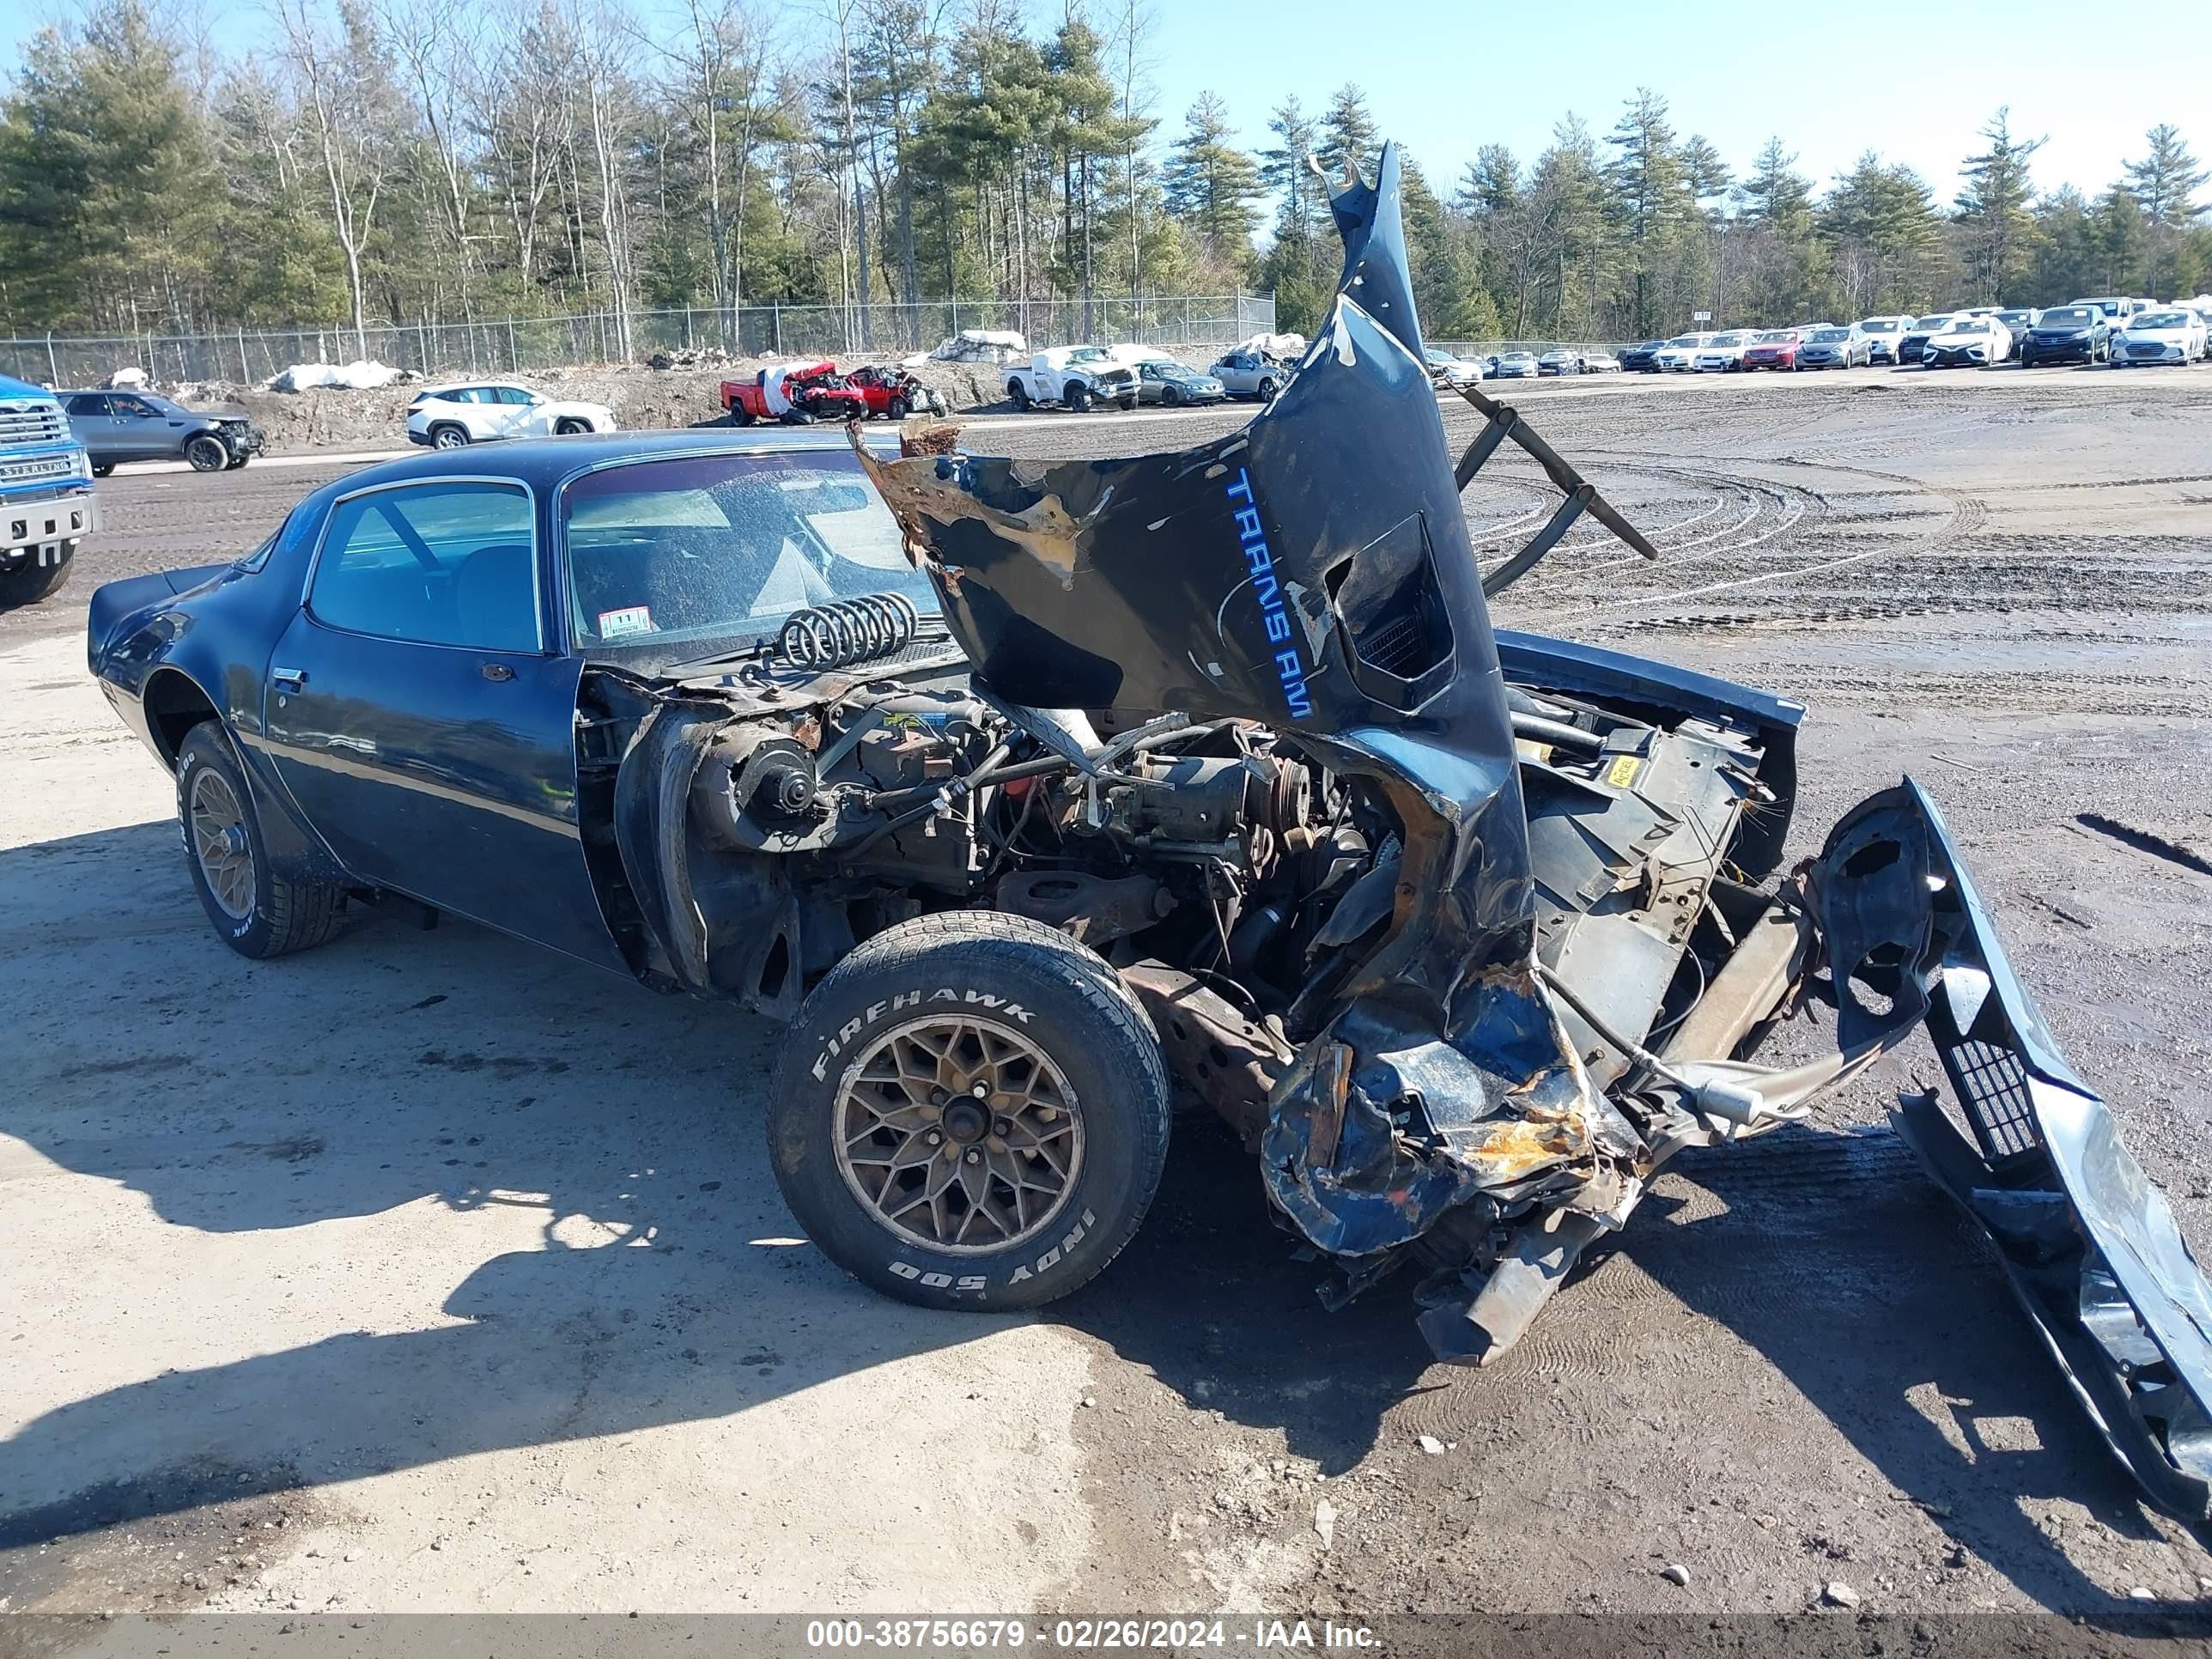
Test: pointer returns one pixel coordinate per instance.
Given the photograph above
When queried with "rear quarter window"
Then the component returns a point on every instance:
(450, 563)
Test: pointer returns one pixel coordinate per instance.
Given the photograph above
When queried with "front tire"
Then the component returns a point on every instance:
(26, 581)
(929, 1191)
(895, 409)
(101, 469)
(1078, 397)
(206, 453)
(257, 912)
(1268, 391)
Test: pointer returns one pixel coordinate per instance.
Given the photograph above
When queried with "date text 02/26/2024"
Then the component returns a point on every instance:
(1088, 1635)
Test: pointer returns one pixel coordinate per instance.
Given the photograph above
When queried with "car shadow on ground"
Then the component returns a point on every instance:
(477, 1074)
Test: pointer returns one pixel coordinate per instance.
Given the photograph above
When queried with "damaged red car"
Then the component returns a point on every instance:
(1057, 780)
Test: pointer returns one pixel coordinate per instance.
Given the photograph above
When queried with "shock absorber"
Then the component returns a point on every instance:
(848, 631)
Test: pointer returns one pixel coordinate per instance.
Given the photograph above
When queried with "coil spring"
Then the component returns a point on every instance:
(848, 631)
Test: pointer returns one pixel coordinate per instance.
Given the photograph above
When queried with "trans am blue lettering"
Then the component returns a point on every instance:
(1289, 666)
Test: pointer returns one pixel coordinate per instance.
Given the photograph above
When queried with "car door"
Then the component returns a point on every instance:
(415, 712)
(521, 413)
(144, 432)
(92, 423)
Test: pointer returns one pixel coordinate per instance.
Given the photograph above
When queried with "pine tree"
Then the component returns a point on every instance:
(1993, 210)
(2164, 183)
(1210, 184)
(1706, 175)
(1885, 237)
(1775, 195)
(109, 202)
(1349, 139)
(1653, 195)
(1300, 266)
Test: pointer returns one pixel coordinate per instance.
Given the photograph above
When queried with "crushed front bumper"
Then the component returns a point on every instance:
(2089, 1243)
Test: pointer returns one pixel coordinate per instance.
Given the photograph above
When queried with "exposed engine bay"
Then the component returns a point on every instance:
(1466, 933)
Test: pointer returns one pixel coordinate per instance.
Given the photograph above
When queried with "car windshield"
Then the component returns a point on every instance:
(1964, 325)
(1777, 336)
(2077, 316)
(666, 560)
(1880, 326)
(1683, 340)
(1931, 323)
(1519, 357)
(2159, 319)
(2109, 307)
(1830, 336)
(1728, 339)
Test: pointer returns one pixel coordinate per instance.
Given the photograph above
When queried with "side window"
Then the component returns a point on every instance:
(131, 408)
(438, 563)
(91, 403)
(511, 394)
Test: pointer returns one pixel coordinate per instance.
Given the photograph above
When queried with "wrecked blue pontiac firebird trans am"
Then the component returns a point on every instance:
(1207, 764)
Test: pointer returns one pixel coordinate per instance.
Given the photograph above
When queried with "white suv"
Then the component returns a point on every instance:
(449, 416)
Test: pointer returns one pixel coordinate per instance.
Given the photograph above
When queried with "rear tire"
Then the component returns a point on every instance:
(446, 435)
(568, 426)
(206, 453)
(1020, 394)
(885, 1053)
(255, 911)
(28, 581)
(741, 417)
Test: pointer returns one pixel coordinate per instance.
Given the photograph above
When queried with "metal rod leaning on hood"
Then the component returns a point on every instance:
(1503, 422)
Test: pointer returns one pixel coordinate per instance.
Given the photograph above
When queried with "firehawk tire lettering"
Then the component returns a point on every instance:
(852, 1028)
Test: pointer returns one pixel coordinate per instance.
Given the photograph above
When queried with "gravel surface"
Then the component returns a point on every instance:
(460, 1267)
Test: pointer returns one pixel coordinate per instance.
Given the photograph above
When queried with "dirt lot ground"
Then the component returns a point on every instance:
(431, 1271)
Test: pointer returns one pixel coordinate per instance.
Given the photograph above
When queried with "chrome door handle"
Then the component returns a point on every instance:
(289, 680)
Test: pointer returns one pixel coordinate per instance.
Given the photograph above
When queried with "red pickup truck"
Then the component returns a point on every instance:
(796, 394)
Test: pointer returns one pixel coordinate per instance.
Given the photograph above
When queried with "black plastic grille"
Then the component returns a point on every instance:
(1994, 1086)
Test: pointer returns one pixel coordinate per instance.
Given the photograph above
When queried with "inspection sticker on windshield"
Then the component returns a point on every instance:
(621, 625)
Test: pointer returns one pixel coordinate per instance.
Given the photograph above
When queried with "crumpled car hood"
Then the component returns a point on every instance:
(1313, 572)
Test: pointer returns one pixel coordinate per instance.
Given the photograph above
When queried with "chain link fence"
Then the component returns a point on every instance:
(517, 345)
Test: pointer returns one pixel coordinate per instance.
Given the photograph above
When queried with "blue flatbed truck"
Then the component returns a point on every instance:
(46, 500)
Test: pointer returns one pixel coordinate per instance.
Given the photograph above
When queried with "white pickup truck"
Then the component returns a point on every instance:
(1074, 377)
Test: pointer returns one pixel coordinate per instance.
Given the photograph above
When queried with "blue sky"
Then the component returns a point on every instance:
(1445, 76)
